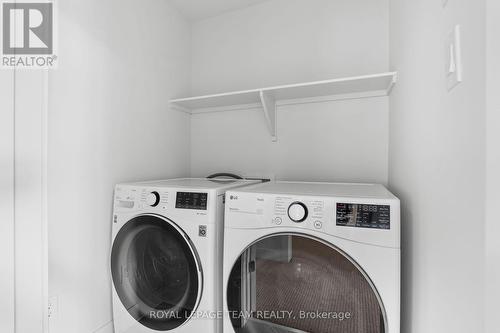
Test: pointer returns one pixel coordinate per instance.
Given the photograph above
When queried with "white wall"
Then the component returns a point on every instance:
(492, 294)
(336, 141)
(109, 121)
(287, 41)
(437, 163)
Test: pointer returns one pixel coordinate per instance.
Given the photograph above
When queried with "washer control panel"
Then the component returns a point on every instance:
(363, 216)
(153, 198)
(191, 200)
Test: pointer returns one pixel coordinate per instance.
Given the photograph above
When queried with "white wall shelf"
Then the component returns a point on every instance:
(270, 98)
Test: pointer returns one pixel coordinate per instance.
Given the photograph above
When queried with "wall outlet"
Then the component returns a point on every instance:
(454, 70)
(53, 306)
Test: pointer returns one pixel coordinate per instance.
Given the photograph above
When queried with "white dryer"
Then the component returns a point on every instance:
(166, 256)
(312, 257)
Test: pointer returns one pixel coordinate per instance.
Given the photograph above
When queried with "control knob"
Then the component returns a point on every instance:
(153, 199)
(297, 212)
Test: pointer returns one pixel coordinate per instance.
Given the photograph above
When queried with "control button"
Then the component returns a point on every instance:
(278, 220)
(297, 212)
(318, 224)
(153, 199)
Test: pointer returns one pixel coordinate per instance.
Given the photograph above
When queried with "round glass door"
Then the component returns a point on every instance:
(156, 272)
(294, 283)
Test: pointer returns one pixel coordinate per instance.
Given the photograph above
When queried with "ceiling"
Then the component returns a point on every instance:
(199, 9)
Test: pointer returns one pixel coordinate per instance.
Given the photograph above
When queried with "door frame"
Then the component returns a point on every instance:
(7, 278)
(23, 201)
(30, 201)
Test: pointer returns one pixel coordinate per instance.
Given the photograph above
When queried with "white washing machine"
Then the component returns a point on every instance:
(312, 257)
(166, 258)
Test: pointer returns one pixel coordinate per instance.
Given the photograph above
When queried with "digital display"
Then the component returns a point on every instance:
(191, 200)
(364, 216)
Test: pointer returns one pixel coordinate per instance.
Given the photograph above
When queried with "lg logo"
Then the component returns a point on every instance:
(28, 28)
(233, 197)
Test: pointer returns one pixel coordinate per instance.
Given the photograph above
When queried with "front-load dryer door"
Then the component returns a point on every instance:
(156, 272)
(293, 283)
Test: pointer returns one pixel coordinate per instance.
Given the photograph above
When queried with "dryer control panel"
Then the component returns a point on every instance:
(299, 211)
(360, 213)
(364, 216)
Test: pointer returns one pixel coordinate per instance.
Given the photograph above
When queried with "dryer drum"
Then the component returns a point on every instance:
(155, 272)
(297, 283)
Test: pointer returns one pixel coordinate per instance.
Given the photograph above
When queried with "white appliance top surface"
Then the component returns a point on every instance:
(322, 189)
(196, 183)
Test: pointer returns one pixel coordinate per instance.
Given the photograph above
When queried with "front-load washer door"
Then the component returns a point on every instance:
(156, 272)
(292, 283)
